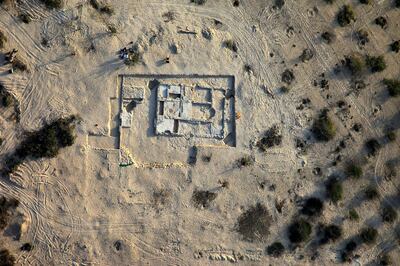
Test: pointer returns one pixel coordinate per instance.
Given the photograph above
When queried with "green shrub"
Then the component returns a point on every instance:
(393, 86)
(299, 231)
(334, 190)
(203, 198)
(395, 46)
(52, 3)
(323, 128)
(313, 207)
(356, 63)
(254, 223)
(376, 63)
(346, 15)
(3, 40)
(388, 214)
(371, 193)
(231, 45)
(354, 170)
(276, 249)
(353, 215)
(368, 235)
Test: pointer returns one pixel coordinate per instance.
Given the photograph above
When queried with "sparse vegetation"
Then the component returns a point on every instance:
(393, 86)
(334, 189)
(3, 40)
(323, 128)
(389, 214)
(354, 170)
(52, 4)
(231, 45)
(276, 249)
(346, 15)
(299, 231)
(6, 259)
(254, 223)
(376, 63)
(371, 193)
(271, 138)
(203, 198)
(313, 207)
(368, 235)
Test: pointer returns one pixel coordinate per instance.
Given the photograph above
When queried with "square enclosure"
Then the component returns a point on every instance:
(201, 108)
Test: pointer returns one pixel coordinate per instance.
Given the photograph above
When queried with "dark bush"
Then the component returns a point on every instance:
(385, 260)
(354, 170)
(395, 46)
(6, 259)
(288, 76)
(107, 9)
(6, 99)
(376, 63)
(20, 65)
(323, 128)
(366, 2)
(382, 22)
(276, 249)
(271, 138)
(388, 214)
(299, 231)
(346, 15)
(330, 1)
(372, 146)
(199, 2)
(254, 223)
(231, 45)
(393, 86)
(368, 235)
(313, 207)
(25, 18)
(350, 247)
(353, 215)
(26, 247)
(203, 198)
(306, 55)
(3, 40)
(47, 141)
(371, 193)
(391, 135)
(52, 3)
(355, 63)
(362, 37)
(7, 207)
(397, 3)
(331, 233)
(334, 189)
(328, 36)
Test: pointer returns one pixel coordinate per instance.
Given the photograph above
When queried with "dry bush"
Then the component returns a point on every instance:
(7, 207)
(272, 137)
(276, 249)
(6, 259)
(231, 45)
(388, 214)
(355, 63)
(203, 198)
(334, 189)
(254, 223)
(52, 4)
(198, 2)
(323, 128)
(3, 40)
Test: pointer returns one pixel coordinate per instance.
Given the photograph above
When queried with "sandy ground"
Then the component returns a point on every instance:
(82, 202)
